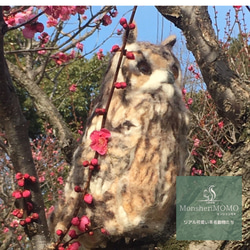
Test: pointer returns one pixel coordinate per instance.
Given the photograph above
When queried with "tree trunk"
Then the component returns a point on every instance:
(230, 94)
(19, 150)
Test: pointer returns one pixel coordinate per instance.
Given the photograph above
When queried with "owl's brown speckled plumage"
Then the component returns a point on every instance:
(134, 190)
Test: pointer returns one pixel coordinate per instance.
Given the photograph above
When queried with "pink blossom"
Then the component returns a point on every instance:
(84, 17)
(52, 22)
(17, 194)
(100, 141)
(43, 37)
(72, 54)
(120, 85)
(184, 91)
(88, 198)
(100, 111)
(28, 31)
(60, 180)
(43, 51)
(72, 234)
(191, 68)
(190, 101)
(104, 231)
(219, 154)
(19, 176)
(26, 193)
(18, 213)
(14, 223)
(22, 17)
(79, 46)
(100, 54)
(34, 216)
(75, 221)
(6, 230)
(74, 246)
(81, 9)
(221, 124)
(237, 7)
(196, 142)
(19, 237)
(26, 176)
(197, 76)
(119, 32)
(106, 20)
(213, 161)
(60, 58)
(194, 152)
(27, 220)
(59, 232)
(20, 183)
(73, 87)
(84, 223)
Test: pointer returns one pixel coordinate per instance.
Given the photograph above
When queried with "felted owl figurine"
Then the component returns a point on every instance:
(141, 151)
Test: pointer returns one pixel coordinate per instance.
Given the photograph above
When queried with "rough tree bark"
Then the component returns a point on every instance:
(16, 130)
(230, 94)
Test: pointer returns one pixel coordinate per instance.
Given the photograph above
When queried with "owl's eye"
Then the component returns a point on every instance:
(144, 67)
(175, 71)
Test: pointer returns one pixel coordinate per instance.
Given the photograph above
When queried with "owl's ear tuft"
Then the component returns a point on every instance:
(169, 41)
(132, 37)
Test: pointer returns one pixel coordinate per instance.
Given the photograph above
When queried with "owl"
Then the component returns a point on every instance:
(132, 189)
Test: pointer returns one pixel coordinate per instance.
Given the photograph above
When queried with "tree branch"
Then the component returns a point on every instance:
(229, 92)
(46, 108)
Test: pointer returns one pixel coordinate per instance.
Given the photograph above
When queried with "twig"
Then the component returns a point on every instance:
(117, 69)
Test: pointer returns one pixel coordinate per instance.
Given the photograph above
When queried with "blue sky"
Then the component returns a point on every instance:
(151, 26)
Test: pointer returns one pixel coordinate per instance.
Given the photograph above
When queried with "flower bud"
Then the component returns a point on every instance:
(26, 176)
(59, 232)
(19, 176)
(130, 55)
(72, 234)
(115, 48)
(78, 189)
(26, 193)
(35, 216)
(32, 179)
(75, 221)
(88, 198)
(28, 220)
(85, 163)
(20, 183)
(22, 222)
(100, 111)
(94, 162)
(39, 27)
(123, 21)
(131, 26)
